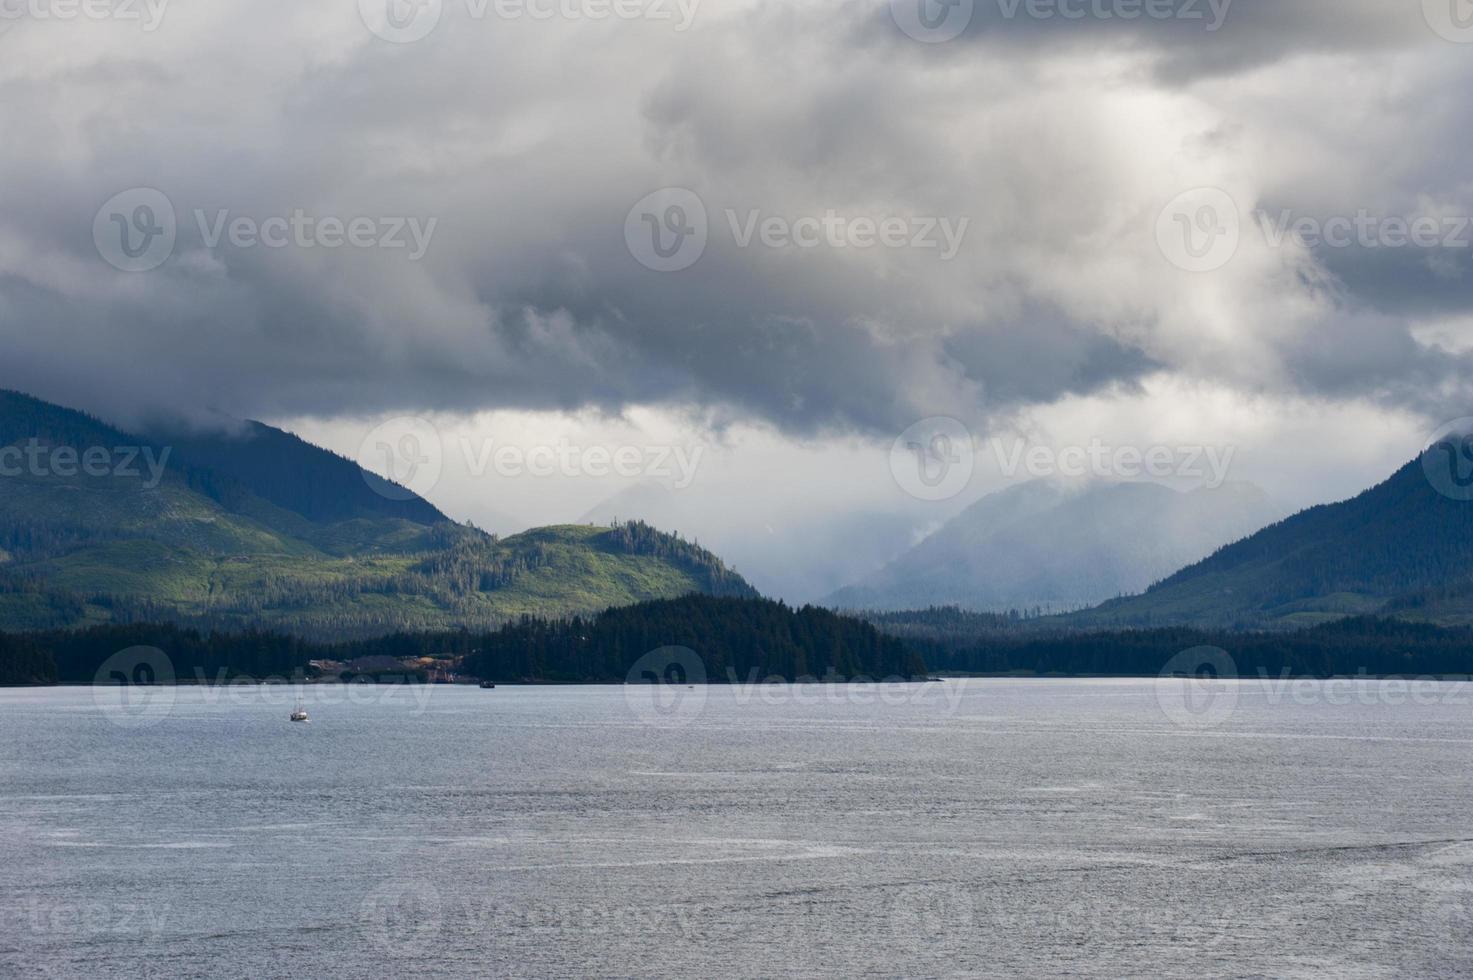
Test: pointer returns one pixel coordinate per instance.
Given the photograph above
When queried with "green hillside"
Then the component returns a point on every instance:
(212, 540)
(1401, 547)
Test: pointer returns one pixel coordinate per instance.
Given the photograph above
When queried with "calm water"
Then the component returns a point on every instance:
(1002, 828)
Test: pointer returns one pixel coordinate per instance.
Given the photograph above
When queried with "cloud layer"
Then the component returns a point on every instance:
(1057, 142)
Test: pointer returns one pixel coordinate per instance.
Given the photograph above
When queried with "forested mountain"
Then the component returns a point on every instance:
(744, 640)
(260, 529)
(818, 549)
(1402, 547)
(1056, 545)
(296, 475)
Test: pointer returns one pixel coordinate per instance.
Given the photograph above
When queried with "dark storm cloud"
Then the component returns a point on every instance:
(1058, 158)
(1190, 39)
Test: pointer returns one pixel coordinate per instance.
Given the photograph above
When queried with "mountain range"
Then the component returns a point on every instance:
(1059, 545)
(1403, 548)
(256, 528)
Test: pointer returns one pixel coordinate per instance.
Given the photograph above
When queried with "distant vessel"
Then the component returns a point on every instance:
(299, 713)
(487, 685)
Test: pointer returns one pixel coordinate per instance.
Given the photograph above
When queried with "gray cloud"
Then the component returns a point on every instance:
(1059, 147)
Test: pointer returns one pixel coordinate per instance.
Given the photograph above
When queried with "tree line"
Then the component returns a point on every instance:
(733, 637)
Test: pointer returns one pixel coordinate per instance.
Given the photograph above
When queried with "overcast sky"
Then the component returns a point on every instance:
(783, 232)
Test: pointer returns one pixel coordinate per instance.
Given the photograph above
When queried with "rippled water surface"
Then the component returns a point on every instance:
(988, 827)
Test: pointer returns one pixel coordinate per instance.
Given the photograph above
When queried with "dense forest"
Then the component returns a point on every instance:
(734, 637)
(952, 641)
(743, 639)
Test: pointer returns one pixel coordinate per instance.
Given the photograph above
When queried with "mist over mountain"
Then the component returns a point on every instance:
(257, 528)
(802, 560)
(1405, 547)
(1060, 545)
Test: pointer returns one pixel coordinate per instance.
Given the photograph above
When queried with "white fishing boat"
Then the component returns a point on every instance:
(299, 713)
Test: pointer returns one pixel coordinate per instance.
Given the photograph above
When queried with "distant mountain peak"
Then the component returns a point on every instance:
(1060, 544)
